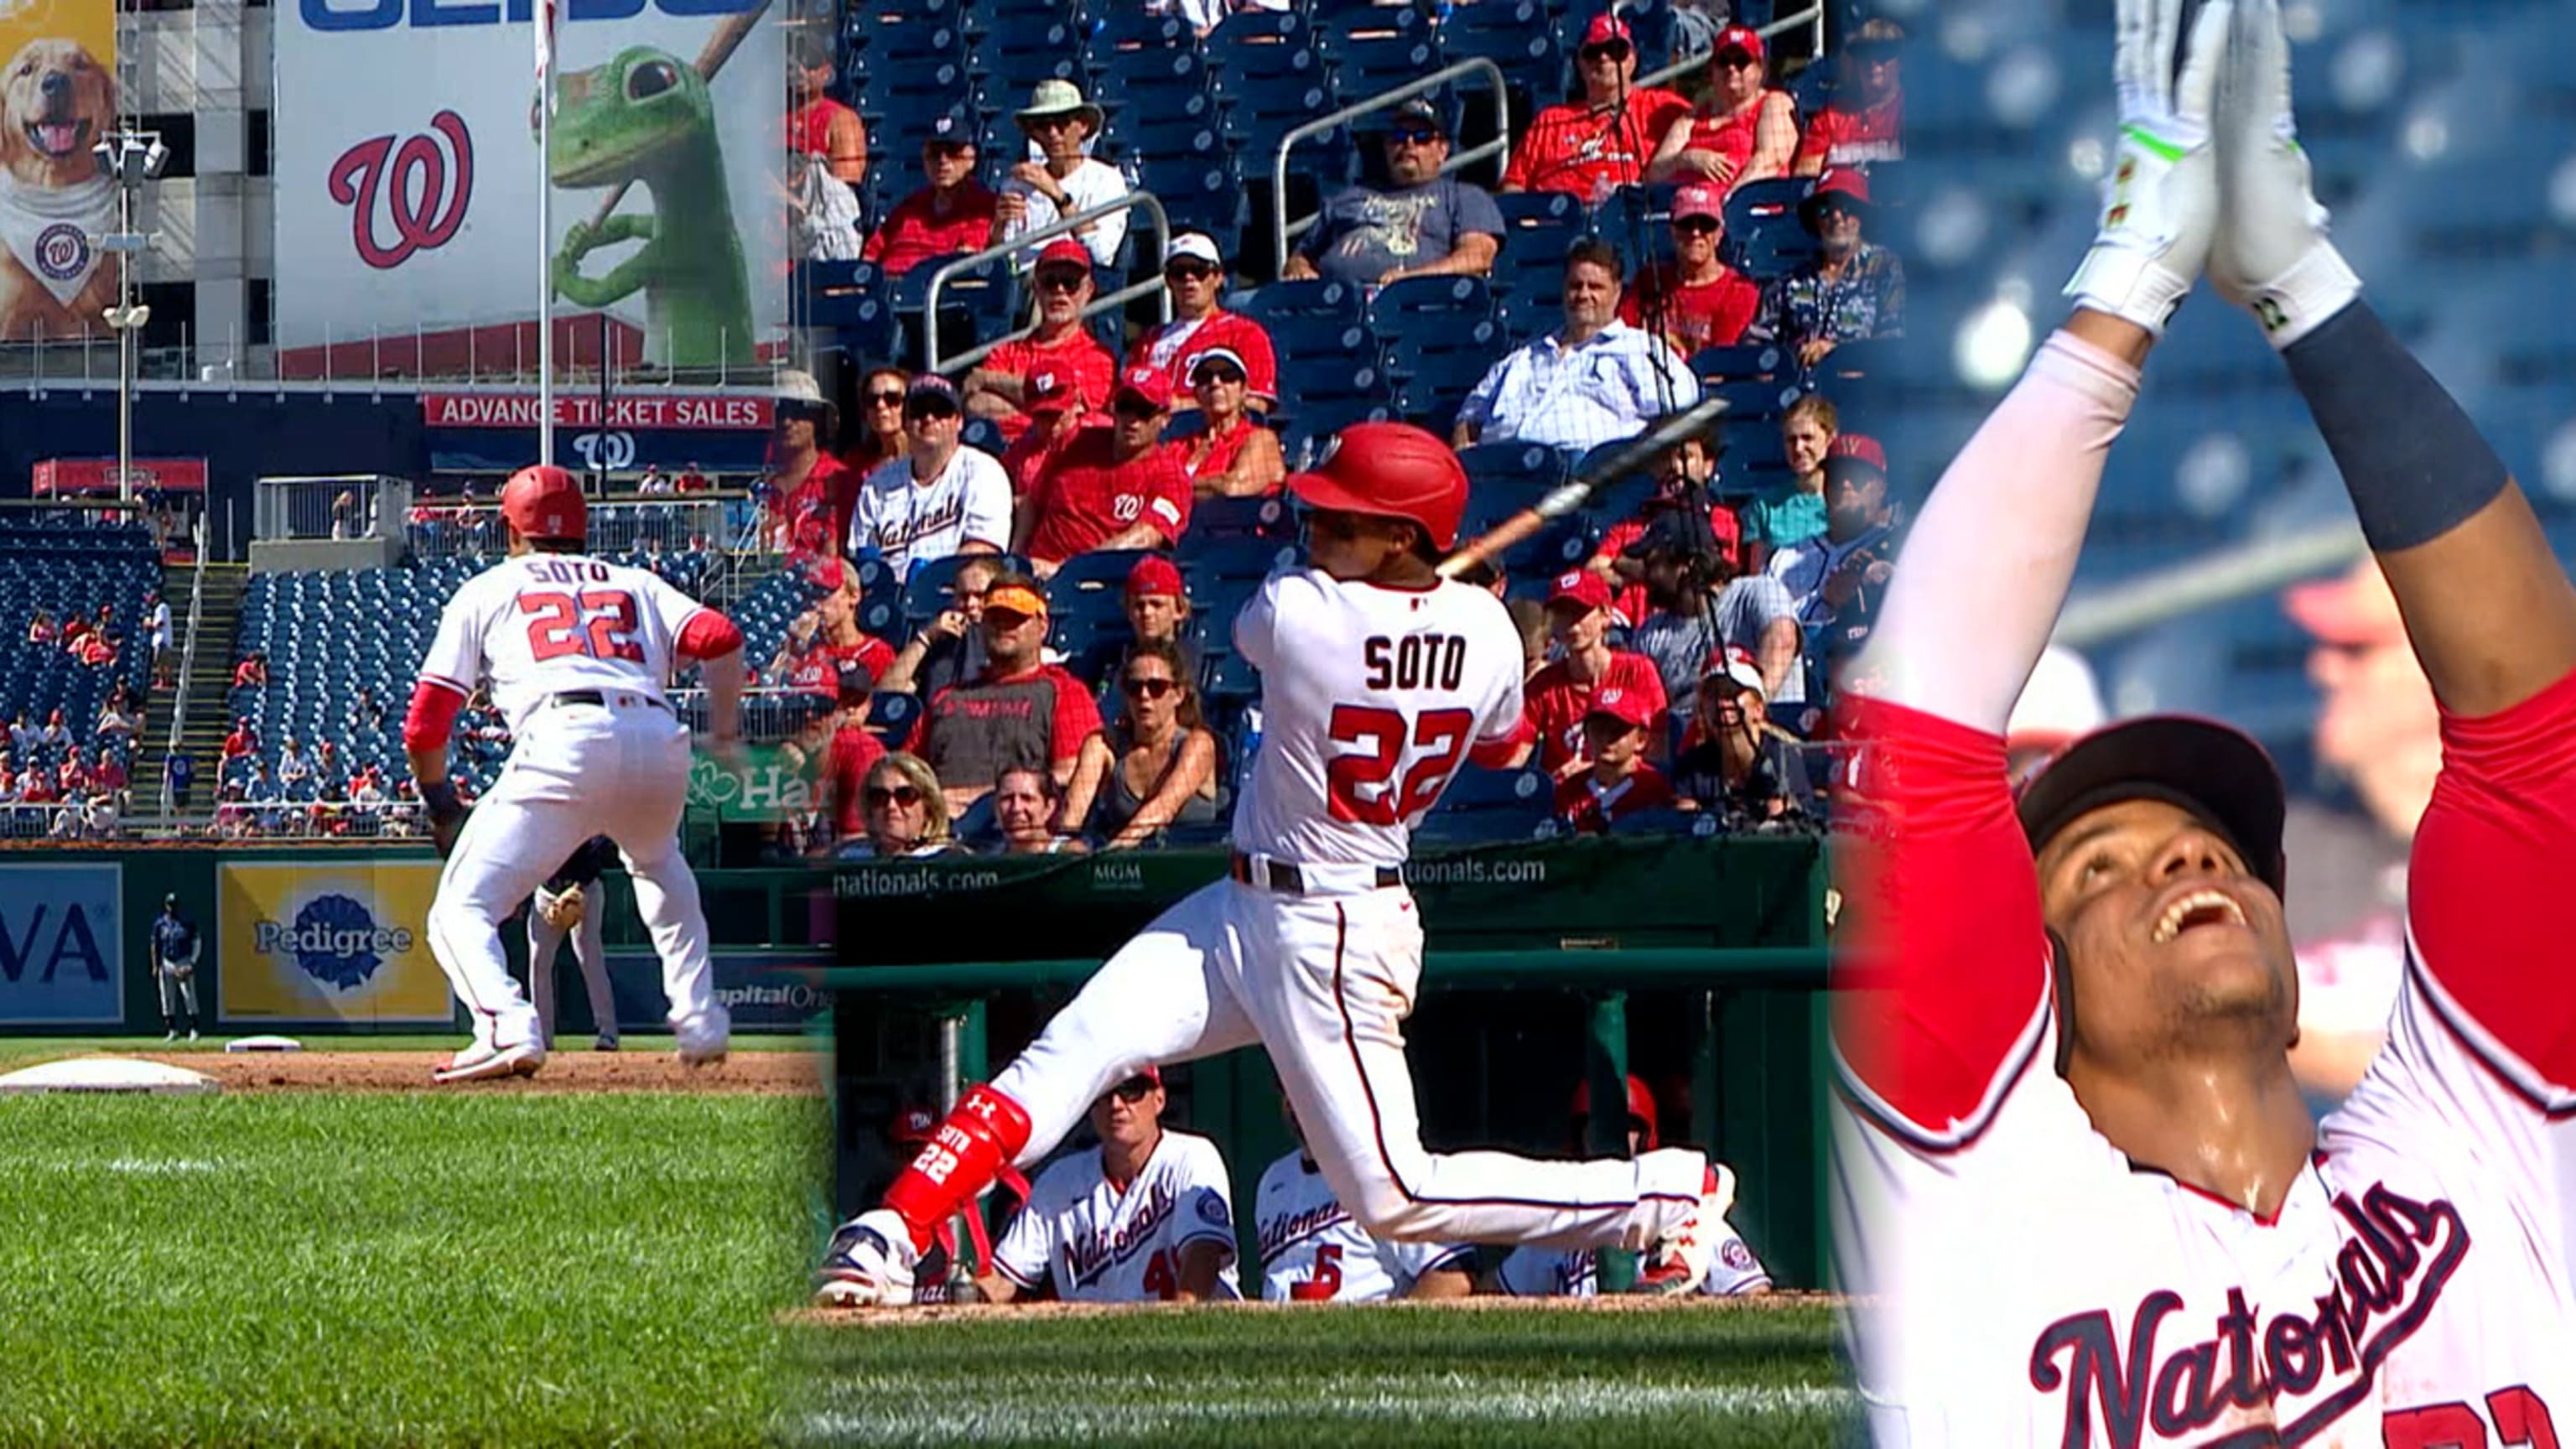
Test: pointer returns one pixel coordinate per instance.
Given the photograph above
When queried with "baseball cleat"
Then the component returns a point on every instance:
(192, 1033)
(1680, 1262)
(869, 1264)
(704, 1039)
(483, 1064)
(606, 1042)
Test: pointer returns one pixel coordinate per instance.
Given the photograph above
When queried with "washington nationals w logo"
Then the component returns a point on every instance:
(417, 201)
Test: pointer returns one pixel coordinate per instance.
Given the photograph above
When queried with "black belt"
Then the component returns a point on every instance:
(599, 699)
(1280, 876)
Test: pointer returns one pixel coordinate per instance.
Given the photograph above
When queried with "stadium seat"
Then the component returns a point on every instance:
(1764, 238)
(1222, 518)
(1745, 362)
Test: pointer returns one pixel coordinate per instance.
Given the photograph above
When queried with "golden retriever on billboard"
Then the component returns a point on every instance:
(56, 102)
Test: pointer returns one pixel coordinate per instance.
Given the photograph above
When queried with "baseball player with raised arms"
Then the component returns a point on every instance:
(579, 654)
(1378, 680)
(1311, 1251)
(1147, 1217)
(564, 906)
(2084, 1195)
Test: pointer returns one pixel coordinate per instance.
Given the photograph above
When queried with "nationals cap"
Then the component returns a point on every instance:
(1850, 451)
(1580, 586)
(1155, 575)
(1064, 251)
(1149, 385)
(1737, 37)
(1628, 706)
(1699, 200)
(2214, 771)
(1603, 29)
(1050, 390)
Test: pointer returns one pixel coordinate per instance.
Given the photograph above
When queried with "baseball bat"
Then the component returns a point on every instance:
(727, 38)
(1572, 494)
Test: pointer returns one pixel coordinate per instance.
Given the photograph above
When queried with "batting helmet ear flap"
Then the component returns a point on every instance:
(2061, 996)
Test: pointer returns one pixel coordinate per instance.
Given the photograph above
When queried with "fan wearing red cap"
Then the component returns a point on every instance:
(998, 388)
(1157, 602)
(1600, 139)
(1618, 782)
(579, 654)
(1854, 290)
(1747, 130)
(1694, 299)
(1112, 487)
(1864, 122)
(1379, 681)
(1058, 412)
(1562, 694)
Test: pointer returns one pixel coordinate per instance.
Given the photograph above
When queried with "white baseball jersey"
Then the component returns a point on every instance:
(1106, 1246)
(911, 523)
(1554, 1273)
(1311, 1251)
(543, 623)
(2035, 1285)
(1371, 698)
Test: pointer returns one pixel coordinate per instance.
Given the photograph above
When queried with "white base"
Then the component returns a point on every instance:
(107, 1074)
(264, 1044)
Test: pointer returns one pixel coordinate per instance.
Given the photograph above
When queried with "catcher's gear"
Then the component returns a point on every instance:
(2160, 202)
(2271, 255)
(562, 909)
(544, 501)
(1391, 470)
(446, 815)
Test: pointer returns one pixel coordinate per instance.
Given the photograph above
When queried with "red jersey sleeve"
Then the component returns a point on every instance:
(1167, 507)
(1820, 134)
(2497, 844)
(1260, 360)
(1096, 370)
(1077, 718)
(1942, 959)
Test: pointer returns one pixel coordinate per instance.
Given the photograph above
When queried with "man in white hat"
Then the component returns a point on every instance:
(1194, 273)
(1040, 193)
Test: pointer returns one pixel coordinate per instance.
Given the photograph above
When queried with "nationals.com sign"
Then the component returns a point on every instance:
(511, 410)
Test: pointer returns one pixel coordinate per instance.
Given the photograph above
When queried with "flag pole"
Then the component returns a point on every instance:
(545, 18)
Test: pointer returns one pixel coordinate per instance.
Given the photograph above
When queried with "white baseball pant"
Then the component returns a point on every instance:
(589, 952)
(576, 771)
(177, 990)
(1324, 982)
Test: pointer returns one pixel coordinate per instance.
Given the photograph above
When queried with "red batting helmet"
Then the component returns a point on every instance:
(543, 501)
(1641, 1106)
(1392, 470)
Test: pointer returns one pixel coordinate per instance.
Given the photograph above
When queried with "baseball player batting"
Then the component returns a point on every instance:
(1379, 679)
(579, 652)
(2083, 1186)
(567, 905)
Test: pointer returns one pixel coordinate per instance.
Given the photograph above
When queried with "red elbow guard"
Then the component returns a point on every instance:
(708, 635)
(981, 1136)
(432, 716)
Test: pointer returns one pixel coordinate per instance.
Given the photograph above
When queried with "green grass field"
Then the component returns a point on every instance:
(1417, 1376)
(399, 1269)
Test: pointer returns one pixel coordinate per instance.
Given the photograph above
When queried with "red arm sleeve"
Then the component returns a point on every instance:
(1497, 754)
(1942, 957)
(1076, 717)
(708, 635)
(1260, 361)
(432, 716)
(1821, 134)
(1516, 172)
(2497, 844)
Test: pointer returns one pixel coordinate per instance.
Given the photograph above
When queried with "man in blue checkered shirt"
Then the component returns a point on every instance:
(1592, 381)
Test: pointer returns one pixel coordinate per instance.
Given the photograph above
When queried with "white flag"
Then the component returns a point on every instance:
(545, 42)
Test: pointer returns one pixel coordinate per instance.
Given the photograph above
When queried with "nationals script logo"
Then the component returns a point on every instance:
(416, 199)
(2397, 1256)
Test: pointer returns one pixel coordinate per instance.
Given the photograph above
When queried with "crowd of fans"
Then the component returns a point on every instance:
(66, 778)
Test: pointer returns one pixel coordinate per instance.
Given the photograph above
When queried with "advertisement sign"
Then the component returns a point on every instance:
(89, 477)
(408, 175)
(57, 99)
(761, 989)
(329, 942)
(62, 944)
(658, 410)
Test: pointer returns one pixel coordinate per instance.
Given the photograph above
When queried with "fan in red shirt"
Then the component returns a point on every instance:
(1749, 130)
(811, 490)
(1194, 273)
(818, 125)
(1233, 454)
(1558, 697)
(1618, 783)
(96, 648)
(242, 740)
(1590, 147)
(1865, 123)
(1682, 476)
(1057, 411)
(839, 641)
(1062, 281)
(1695, 300)
(1113, 487)
(953, 214)
(853, 751)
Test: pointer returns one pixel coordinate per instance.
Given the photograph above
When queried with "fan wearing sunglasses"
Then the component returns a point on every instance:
(998, 387)
(1109, 488)
(1421, 224)
(1865, 120)
(1234, 456)
(903, 811)
(1194, 273)
(1695, 299)
(1747, 131)
(1600, 140)
(1156, 765)
(880, 432)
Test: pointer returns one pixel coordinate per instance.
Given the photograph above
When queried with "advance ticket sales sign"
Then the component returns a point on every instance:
(407, 176)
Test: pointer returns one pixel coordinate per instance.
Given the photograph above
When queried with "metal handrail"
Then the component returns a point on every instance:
(1501, 145)
(1812, 17)
(187, 663)
(1062, 226)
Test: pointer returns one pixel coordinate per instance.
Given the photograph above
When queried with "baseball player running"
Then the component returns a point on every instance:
(2154, 1242)
(563, 907)
(1378, 680)
(578, 652)
(174, 968)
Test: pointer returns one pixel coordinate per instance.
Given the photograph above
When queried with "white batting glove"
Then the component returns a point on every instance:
(2160, 205)
(2271, 255)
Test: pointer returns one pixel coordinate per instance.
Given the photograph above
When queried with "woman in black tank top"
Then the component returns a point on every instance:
(1156, 766)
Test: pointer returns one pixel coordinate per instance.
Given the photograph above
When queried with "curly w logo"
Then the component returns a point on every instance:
(407, 189)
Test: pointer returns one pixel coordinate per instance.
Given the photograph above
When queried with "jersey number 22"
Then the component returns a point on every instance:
(599, 623)
(1400, 768)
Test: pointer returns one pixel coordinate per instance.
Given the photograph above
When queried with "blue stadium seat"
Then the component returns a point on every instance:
(1515, 35)
(1377, 50)
(1764, 237)
(1223, 518)
(1431, 302)
(1745, 362)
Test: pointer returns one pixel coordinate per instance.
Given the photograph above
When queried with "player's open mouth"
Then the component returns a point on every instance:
(58, 138)
(2199, 908)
